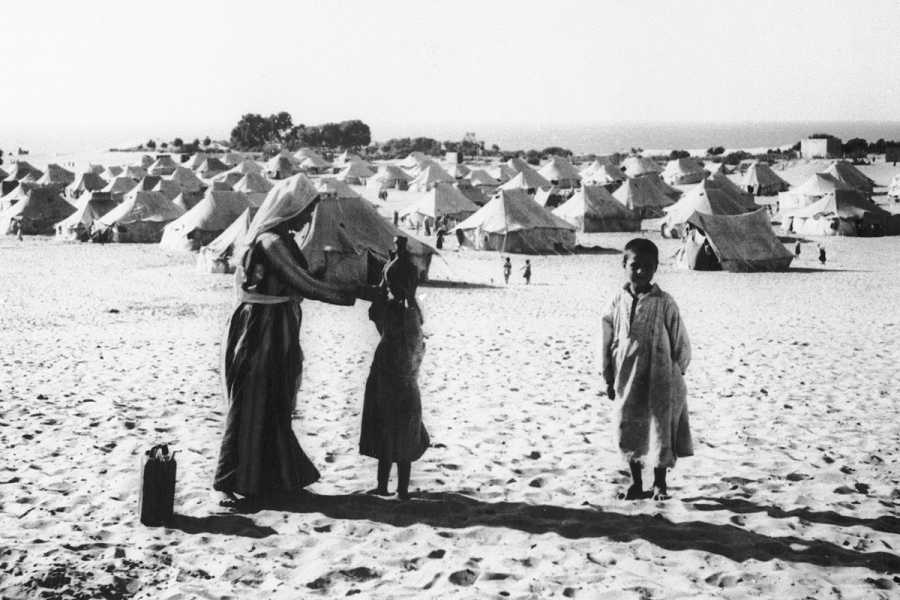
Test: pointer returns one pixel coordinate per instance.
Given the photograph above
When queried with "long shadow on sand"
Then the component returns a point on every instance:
(456, 285)
(220, 524)
(814, 270)
(737, 505)
(453, 511)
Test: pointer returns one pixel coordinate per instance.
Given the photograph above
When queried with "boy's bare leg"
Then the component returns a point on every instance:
(403, 471)
(384, 473)
(660, 488)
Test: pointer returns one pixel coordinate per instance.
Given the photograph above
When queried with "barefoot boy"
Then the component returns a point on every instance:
(645, 352)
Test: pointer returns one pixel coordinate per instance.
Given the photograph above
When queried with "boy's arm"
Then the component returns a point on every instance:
(607, 340)
(678, 337)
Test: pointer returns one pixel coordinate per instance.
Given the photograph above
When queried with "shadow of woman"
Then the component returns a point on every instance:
(220, 524)
(453, 511)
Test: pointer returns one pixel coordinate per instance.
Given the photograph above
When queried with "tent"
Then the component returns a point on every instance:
(814, 188)
(56, 176)
(210, 167)
(475, 195)
(665, 188)
(415, 160)
(21, 169)
(598, 163)
(642, 197)
(228, 178)
(140, 218)
(429, 176)
(683, 171)
(335, 188)
(187, 180)
(119, 186)
(218, 255)
(519, 164)
(481, 178)
(761, 180)
(592, 209)
(348, 242)
(513, 222)
(355, 173)
(253, 183)
(246, 166)
(205, 221)
(552, 197)
(443, 200)
(390, 177)
(458, 170)
(894, 187)
(3, 174)
(847, 173)
(36, 212)
(148, 182)
(143, 162)
(706, 198)
(736, 243)
(502, 172)
(232, 158)
(164, 165)
(529, 180)
(841, 212)
(90, 207)
(279, 167)
(723, 182)
(195, 160)
(314, 164)
(112, 171)
(346, 157)
(635, 166)
(602, 174)
(170, 188)
(560, 172)
(16, 194)
(88, 181)
(136, 172)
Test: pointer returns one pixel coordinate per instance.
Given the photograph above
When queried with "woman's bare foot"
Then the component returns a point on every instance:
(380, 491)
(661, 492)
(228, 500)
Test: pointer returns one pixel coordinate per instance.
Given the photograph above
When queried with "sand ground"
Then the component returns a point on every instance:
(793, 492)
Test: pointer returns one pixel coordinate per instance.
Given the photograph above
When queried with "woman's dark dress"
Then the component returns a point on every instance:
(392, 428)
(262, 365)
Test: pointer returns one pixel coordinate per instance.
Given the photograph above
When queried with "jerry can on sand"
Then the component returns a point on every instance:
(158, 486)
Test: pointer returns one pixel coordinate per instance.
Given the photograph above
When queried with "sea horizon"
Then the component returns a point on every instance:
(580, 138)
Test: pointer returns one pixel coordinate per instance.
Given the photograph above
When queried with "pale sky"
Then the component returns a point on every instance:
(121, 70)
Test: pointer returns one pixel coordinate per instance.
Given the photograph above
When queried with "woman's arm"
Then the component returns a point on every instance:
(298, 279)
(607, 341)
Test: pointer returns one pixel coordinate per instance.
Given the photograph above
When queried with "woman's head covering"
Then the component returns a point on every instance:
(283, 202)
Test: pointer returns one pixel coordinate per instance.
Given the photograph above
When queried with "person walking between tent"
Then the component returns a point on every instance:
(822, 257)
(797, 250)
(644, 354)
(392, 429)
(526, 272)
(507, 270)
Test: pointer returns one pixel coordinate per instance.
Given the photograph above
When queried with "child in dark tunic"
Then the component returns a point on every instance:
(392, 428)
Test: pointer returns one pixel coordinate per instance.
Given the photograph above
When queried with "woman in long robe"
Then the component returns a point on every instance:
(392, 429)
(263, 362)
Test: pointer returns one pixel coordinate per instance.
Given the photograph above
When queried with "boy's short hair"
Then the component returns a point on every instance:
(642, 247)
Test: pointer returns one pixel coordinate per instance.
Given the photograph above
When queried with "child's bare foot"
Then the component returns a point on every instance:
(229, 500)
(380, 491)
(634, 493)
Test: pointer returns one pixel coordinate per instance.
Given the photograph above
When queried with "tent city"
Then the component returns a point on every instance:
(433, 301)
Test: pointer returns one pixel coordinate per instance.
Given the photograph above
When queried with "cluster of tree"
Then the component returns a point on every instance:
(859, 146)
(176, 145)
(400, 147)
(715, 151)
(534, 157)
(255, 132)
(676, 154)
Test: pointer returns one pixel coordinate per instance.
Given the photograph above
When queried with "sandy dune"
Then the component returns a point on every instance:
(793, 492)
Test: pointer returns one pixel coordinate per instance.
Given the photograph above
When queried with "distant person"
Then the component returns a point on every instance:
(396, 219)
(644, 354)
(822, 257)
(382, 195)
(392, 429)
(526, 272)
(797, 250)
(439, 242)
(427, 228)
(460, 237)
(507, 270)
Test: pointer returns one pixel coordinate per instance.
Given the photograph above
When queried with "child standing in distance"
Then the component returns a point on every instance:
(526, 272)
(645, 352)
(507, 270)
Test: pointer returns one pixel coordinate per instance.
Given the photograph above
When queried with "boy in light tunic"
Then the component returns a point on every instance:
(645, 352)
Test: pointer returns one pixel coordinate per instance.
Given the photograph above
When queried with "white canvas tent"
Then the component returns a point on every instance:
(593, 209)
